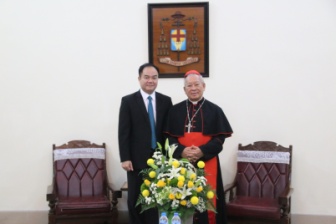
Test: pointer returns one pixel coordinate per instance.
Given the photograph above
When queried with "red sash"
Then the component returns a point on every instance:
(198, 139)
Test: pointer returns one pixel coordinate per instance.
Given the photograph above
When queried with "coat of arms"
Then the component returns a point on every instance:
(175, 38)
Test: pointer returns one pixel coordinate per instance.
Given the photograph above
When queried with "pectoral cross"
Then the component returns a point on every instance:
(188, 126)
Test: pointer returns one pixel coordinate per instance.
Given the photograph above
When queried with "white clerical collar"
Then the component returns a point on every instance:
(195, 102)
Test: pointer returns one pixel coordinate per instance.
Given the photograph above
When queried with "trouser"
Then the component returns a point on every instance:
(149, 216)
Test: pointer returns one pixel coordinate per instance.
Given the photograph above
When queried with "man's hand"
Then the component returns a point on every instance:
(127, 165)
(187, 153)
(197, 153)
(192, 153)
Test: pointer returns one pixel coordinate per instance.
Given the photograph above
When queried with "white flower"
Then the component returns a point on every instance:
(201, 206)
(148, 200)
(201, 180)
(175, 203)
(171, 150)
(185, 192)
(157, 155)
(173, 172)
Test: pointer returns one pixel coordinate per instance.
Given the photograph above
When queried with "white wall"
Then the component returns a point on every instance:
(64, 65)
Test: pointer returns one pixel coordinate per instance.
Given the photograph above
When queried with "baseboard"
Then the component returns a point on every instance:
(41, 217)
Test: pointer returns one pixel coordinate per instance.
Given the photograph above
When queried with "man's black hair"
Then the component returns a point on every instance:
(142, 67)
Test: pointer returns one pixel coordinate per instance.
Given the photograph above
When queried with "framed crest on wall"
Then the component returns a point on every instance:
(178, 38)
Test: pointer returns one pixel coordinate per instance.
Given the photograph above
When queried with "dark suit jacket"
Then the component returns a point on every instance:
(134, 128)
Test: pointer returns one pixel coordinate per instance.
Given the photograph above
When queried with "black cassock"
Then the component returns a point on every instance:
(209, 119)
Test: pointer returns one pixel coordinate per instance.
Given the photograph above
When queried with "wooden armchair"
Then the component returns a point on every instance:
(80, 191)
(261, 191)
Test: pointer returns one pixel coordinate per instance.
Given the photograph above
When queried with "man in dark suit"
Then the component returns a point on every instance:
(136, 141)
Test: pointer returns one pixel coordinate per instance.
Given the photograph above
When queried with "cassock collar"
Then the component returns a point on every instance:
(196, 102)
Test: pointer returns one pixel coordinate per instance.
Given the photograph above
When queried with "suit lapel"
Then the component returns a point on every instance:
(142, 106)
(159, 106)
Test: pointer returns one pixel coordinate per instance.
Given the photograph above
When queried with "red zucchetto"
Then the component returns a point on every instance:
(192, 72)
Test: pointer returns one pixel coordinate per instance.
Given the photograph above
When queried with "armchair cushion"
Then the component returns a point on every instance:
(78, 205)
(266, 208)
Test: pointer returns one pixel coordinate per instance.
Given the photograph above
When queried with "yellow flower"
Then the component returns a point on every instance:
(171, 196)
(190, 184)
(193, 176)
(181, 178)
(183, 202)
(178, 195)
(147, 182)
(210, 194)
(180, 184)
(201, 164)
(176, 163)
(152, 174)
(145, 193)
(183, 170)
(194, 200)
(150, 161)
(199, 189)
(161, 183)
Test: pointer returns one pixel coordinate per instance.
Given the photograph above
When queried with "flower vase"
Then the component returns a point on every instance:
(188, 220)
(170, 214)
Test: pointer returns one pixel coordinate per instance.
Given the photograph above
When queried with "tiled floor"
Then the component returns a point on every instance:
(41, 217)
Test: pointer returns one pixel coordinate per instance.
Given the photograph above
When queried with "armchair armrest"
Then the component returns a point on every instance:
(124, 187)
(50, 196)
(114, 195)
(117, 194)
(285, 196)
(229, 189)
(284, 201)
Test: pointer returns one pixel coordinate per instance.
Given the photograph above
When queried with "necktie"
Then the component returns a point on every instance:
(152, 121)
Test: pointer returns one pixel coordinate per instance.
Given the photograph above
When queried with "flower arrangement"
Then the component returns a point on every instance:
(174, 185)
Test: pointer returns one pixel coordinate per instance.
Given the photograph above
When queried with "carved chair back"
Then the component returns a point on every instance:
(80, 169)
(263, 170)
